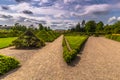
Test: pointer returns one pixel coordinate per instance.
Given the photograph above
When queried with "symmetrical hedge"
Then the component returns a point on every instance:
(28, 40)
(68, 54)
(7, 64)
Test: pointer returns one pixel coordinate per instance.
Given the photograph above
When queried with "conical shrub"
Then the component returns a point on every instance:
(28, 40)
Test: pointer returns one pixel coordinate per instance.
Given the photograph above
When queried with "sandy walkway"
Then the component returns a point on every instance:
(44, 65)
(100, 60)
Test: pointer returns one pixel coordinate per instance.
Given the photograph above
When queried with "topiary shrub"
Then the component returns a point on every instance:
(7, 64)
(28, 40)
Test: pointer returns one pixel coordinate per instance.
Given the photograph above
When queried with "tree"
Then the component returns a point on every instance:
(90, 26)
(19, 27)
(116, 27)
(99, 26)
(78, 27)
(108, 29)
(83, 23)
(41, 27)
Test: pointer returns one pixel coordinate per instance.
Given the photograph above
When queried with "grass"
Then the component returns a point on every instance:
(75, 43)
(5, 42)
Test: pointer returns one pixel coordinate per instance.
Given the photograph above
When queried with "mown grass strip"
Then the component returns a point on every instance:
(5, 42)
(75, 42)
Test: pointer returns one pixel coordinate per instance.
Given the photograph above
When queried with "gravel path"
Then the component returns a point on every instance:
(100, 60)
(21, 55)
(44, 65)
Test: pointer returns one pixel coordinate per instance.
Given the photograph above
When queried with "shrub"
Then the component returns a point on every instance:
(7, 64)
(28, 40)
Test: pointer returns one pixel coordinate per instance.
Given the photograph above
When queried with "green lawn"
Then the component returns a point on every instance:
(5, 42)
(75, 41)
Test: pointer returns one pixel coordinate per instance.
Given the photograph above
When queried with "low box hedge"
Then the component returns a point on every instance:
(7, 64)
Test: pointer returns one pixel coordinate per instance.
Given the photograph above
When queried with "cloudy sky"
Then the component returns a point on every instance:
(58, 13)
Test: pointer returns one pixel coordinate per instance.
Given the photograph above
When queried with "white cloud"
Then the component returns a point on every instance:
(111, 19)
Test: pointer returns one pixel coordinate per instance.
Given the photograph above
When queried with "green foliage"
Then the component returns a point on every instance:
(7, 64)
(75, 42)
(99, 27)
(113, 37)
(9, 33)
(28, 40)
(47, 36)
(19, 27)
(5, 42)
(90, 26)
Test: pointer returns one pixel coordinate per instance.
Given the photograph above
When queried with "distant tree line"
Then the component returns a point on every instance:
(100, 28)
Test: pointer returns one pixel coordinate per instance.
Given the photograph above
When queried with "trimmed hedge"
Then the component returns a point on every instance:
(71, 55)
(28, 40)
(47, 36)
(7, 64)
(113, 37)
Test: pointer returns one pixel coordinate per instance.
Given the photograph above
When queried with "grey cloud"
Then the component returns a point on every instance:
(101, 12)
(20, 19)
(27, 12)
(56, 22)
(6, 16)
(22, 0)
(5, 7)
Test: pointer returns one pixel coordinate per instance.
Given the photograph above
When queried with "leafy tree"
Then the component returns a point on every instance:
(116, 27)
(90, 26)
(108, 29)
(41, 27)
(99, 26)
(19, 27)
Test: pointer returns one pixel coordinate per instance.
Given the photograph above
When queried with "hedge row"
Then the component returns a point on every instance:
(7, 64)
(67, 54)
(113, 37)
(47, 36)
(70, 55)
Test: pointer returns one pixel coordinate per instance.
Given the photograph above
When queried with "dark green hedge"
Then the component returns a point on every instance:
(7, 64)
(28, 40)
